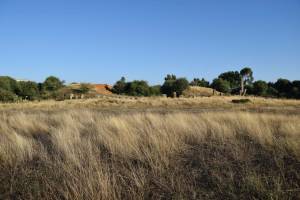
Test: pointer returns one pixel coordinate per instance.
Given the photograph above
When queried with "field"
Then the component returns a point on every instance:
(150, 148)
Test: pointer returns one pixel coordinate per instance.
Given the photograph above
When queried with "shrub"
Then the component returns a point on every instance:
(260, 88)
(221, 85)
(120, 86)
(53, 83)
(29, 90)
(137, 88)
(7, 96)
(172, 85)
(241, 101)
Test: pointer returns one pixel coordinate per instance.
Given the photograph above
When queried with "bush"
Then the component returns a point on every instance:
(200, 83)
(137, 88)
(7, 96)
(52, 84)
(241, 101)
(9, 84)
(260, 88)
(172, 85)
(120, 86)
(221, 85)
(155, 90)
(29, 90)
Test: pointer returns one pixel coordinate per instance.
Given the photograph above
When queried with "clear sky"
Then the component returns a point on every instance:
(102, 40)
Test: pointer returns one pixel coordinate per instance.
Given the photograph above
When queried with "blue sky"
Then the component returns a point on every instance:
(100, 41)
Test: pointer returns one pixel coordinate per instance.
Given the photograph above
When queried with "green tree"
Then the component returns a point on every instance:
(296, 89)
(221, 85)
(284, 87)
(120, 86)
(172, 85)
(29, 90)
(199, 82)
(170, 77)
(7, 96)
(180, 85)
(52, 84)
(155, 90)
(260, 88)
(246, 78)
(9, 84)
(137, 88)
(233, 77)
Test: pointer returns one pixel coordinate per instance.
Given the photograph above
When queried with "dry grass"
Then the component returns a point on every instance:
(124, 103)
(200, 91)
(88, 154)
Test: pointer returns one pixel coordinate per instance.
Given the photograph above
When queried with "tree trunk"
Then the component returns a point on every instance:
(242, 86)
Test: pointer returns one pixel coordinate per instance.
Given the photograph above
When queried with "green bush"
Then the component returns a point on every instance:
(137, 88)
(172, 85)
(29, 90)
(7, 96)
(241, 101)
(260, 88)
(221, 85)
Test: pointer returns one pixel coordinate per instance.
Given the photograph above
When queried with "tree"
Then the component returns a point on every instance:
(168, 88)
(296, 89)
(246, 78)
(180, 85)
(137, 88)
(260, 88)
(284, 87)
(170, 77)
(233, 77)
(29, 90)
(52, 84)
(155, 90)
(7, 96)
(172, 85)
(9, 84)
(221, 85)
(120, 86)
(199, 82)
(84, 88)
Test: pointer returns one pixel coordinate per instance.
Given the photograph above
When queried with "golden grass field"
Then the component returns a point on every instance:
(150, 148)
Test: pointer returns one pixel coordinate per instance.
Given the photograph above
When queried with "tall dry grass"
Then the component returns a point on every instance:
(118, 103)
(90, 155)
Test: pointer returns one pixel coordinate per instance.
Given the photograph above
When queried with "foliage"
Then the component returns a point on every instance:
(84, 88)
(120, 86)
(172, 85)
(199, 82)
(246, 79)
(29, 90)
(241, 101)
(137, 88)
(170, 77)
(155, 90)
(260, 88)
(233, 77)
(9, 84)
(284, 87)
(7, 96)
(52, 84)
(221, 85)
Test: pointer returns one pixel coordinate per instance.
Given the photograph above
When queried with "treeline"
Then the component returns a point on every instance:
(12, 90)
(231, 82)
